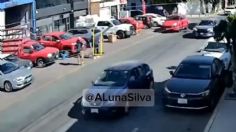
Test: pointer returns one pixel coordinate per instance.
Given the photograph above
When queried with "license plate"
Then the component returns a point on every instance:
(94, 110)
(182, 101)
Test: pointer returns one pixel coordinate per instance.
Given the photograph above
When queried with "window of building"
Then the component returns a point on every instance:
(49, 3)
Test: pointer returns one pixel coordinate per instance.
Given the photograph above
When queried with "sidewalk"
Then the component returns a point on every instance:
(224, 117)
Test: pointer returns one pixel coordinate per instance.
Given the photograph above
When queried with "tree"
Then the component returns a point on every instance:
(227, 29)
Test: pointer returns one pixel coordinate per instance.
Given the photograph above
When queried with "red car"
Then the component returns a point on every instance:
(62, 41)
(31, 50)
(130, 20)
(175, 23)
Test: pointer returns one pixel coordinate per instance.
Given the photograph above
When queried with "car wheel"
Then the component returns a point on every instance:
(120, 35)
(8, 86)
(40, 62)
(155, 24)
(151, 85)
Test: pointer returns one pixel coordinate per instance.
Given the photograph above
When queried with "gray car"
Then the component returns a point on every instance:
(204, 29)
(13, 77)
(87, 34)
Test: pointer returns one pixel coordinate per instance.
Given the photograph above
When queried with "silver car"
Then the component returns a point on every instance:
(13, 77)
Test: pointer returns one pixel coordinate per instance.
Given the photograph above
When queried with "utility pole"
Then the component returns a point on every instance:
(72, 19)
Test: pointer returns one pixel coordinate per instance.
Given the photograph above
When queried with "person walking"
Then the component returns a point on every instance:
(81, 46)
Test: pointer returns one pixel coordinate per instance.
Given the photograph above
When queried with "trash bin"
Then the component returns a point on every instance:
(112, 38)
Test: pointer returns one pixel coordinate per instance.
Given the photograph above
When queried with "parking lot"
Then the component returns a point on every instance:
(48, 104)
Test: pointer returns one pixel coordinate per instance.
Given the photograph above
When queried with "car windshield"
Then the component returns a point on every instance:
(116, 22)
(11, 57)
(210, 23)
(215, 46)
(174, 18)
(195, 71)
(8, 68)
(66, 36)
(112, 78)
(38, 47)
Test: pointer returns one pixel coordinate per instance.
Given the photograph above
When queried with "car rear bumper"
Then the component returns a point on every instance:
(104, 111)
(199, 34)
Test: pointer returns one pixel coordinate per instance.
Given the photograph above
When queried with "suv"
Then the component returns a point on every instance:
(113, 26)
(14, 77)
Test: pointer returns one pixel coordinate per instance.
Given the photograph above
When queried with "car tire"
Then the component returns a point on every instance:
(8, 86)
(120, 35)
(40, 62)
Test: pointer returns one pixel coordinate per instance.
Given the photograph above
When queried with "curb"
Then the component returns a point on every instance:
(216, 111)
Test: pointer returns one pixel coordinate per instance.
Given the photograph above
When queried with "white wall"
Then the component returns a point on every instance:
(2, 19)
(105, 8)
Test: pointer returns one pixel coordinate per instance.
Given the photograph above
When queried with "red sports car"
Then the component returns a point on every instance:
(175, 23)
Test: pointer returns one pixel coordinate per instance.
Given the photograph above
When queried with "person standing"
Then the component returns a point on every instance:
(81, 46)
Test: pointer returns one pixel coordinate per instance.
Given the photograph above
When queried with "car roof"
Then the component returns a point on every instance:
(2, 56)
(55, 33)
(198, 59)
(128, 65)
(3, 62)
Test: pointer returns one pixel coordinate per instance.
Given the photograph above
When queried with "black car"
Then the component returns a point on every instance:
(116, 80)
(205, 29)
(196, 84)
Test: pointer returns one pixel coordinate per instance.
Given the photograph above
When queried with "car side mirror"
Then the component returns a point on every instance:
(171, 73)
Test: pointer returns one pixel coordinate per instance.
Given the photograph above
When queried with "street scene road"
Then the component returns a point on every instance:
(51, 103)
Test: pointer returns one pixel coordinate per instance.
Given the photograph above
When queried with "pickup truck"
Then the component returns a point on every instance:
(30, 50)
(61, 41)
(113, 26)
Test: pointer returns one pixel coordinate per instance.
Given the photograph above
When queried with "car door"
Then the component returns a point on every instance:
(27, 53)
(148, 76)
(47, 41)
(218, 77)
(134, 74)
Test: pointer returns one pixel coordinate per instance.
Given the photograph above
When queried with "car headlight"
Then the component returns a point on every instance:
(19, 79)
(167, 90)
(210, 30)
(205, 93)
(49, 55)
(175, 24)
(74, 43)
(194, 29)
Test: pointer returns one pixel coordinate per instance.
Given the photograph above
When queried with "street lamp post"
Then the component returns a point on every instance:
(72, 20)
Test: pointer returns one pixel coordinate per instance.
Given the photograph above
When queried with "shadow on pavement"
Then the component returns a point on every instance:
(171, 67)
(67, 64)
(192, 25)
(189, 36)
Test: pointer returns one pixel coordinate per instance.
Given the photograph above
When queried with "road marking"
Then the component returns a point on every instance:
(213, 116)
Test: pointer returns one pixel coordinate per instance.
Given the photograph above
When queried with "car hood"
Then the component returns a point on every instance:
(124, 25)
(213, 54)
(21, 72)
(170, 22)
(70, 41)
(107, 89)
(180, 85)
(204, 27)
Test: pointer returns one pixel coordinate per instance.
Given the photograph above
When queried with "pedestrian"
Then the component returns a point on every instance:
(81, 46)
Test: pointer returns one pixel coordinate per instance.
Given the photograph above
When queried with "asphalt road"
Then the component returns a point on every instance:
(48, 104)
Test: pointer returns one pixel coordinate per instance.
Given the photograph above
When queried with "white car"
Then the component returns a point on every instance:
(230, 10)
(157, 20)
(218, 50)
(113, 26)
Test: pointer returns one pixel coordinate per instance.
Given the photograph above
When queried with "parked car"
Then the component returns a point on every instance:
(130, 20)
(218, 50)
(61, 41)
(134, 13)
(14, 77)
(15, 59)
(196, 84)
(119, 78)
(113, 26)
(87, 34)
(175, 23)
(31, 50)
(230, 10)
(205, 29)
(157, 20)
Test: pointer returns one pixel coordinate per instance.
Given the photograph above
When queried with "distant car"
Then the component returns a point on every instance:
(196, 84)
(14, 77)
(205, 29)
(134, 13)
(15, 59)
(87, 34)
(126, 75)
(230, 10)
(218, 50)
(175, 23)
(157, 20)
(130, 20)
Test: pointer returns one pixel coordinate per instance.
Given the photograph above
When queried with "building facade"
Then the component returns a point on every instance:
(59, 15)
